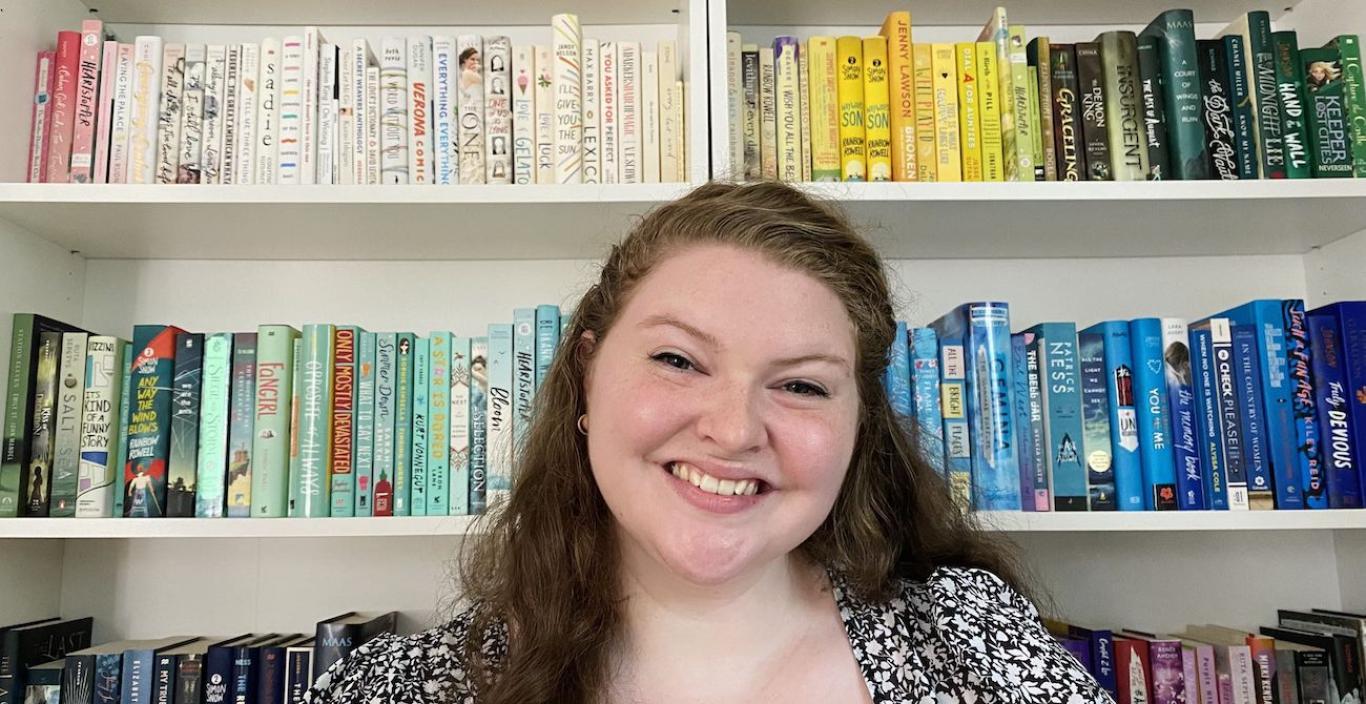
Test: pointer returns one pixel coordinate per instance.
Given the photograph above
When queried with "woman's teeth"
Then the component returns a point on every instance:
(712, 485)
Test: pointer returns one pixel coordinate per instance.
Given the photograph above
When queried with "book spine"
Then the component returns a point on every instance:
(248, 98)
(989, 109)
(241, 428)
(1354, 83)
(896, 379)
(1024, 446)
(877, 110)
(787, 123)
(1040, 51)
(1175, 33)
(1040, 482)
(419, 97)
(142, 136)
(269, 115)
(1155, 109)
(969, 111)
(1230, 414)
(109, 69)
(37, 475)
(215, 395)
(273, 412)
(997, 33)
(40, 117)
(61, 125)
(438, 426)
(1123, 107)
(1154, 415)
(1314, 677)
(568, 87)
(394, 104)
(296, 396)
(66, 433)
(386, 360)
(1352, 318)
(361, 60)
(896, 29)
(149, 437)
(609, 112)
(185, 400)
(947, 144)
(751, 109)
(592, 110)
(421, 446)
(1131, 669)
(470, 102)
(343, 411)
(121, 122)
(1057, 344)
(1100, 476)
(629, 62)
(649, 115)
(325, 169)
(374, 125)
(544, 107)
(1168, 672)
(87, 101)
(733, 169)
(363, 458)
(459, 500)
(957, 435)
(1271, 331)
(1261, 51)
(1220, 137)
(500, 418)
(309, 106)
(547, 340)
(121, 440)
(1256, 454)
(445, 158)
(1330, 137)
(1290, 94)
(228, 109)
(1212, 455)
(926, 142)
(309, 491)
(1036, 129)
(18, 411)
(497, 111)
(853, 147)
(523, 372)
(824, 108)
(404, 370)
(768, 113)
(1185, 437)
(1067, 128)
(996, 473)
(1018, 66)
(1308, 439)
(99, 427)
(1119, 375)
(1240, 107)
(479, 390)
(1095, 134)
(925, 383)
(215, 83)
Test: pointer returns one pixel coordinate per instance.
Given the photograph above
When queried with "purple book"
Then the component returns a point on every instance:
(1080, 648)
(1168, 671)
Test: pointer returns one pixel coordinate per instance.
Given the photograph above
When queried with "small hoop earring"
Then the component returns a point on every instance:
(583, 424)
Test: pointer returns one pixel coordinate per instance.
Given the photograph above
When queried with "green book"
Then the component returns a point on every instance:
(438, 426)
(417, 476)
(296, 394)
(386, 369)
(308, 492)
(403, 424)
(121, 440)
(1329, 135)
(1290, 94)
(1354, 84)
(1026, 122)
(1123, 106)
(66, 436)
(1259, 56)
(270, 448)
(18, 433)
(213, 425)
(1175, 34)
(363, 456)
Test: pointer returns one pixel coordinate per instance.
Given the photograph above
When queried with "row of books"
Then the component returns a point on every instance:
(302, 110)
(1155, 105)
(1308, 657)
(1262, 406)
(53, 660)
(334, 421)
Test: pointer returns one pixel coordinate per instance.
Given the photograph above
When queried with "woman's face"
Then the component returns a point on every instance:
(472, 62)
(729, 366)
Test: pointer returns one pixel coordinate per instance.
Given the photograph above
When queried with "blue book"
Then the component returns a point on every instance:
(386, 377)
(246, 668)
(954, 408)
(1259, 493)
(403, 423)
(460, 426)
(897, 378)
(1342, 458)
(1102, 656)
(499, 453)
(1190, 477)
(1040, 484)
(984, 328)
(1024, 445)
(139, 667)
(1230, 412)
(479, 390)
(1056, 345)
(524, 344)
(1205, 383)
(1095, 420)
(439, 425)
(1352, 325)
(417, 475)
(1267, 319)
(1154, 418)
(363, 449)
(547, 339)
(924, 349)
(1119, 395)
(1309, 454)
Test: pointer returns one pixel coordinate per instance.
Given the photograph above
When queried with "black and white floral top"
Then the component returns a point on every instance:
(963, 635)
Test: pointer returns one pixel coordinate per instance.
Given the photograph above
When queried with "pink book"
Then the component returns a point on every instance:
(108, 70)
(87, 101)
(63, 107)
(42, 113)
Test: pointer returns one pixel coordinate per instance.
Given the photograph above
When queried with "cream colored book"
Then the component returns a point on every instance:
(145, 115)
(592, 115)
(545, 114)
(497, 110)
(824, 108)
(681, 123)
(768, 114)
(609, 112)
(628, 64)
(523, 114)
(670, 131)
(787, 122)
(735, 115)
(248, 95)
(568, 47)
(649, 116)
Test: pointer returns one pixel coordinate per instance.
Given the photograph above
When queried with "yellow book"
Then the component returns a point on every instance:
(997, 32)
(901, 93)
(803, 110)
(969, 123)
(823, 92)
(1036, 126)
(768, 115)
(853, 166)
(878, 128)
(925, 160)
(788, 108)
(949, 167)
(989, 112)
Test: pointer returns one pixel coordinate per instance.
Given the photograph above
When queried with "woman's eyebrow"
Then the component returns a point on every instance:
(664, 319)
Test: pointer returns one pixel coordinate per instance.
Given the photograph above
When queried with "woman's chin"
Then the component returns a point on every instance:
(710, 562)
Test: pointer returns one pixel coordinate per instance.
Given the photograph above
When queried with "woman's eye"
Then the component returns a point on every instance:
(803, 388)
(677, 361)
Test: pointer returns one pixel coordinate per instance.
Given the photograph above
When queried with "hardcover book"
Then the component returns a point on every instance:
(272, 409)
(170, 120)
(470, 99)
(185, 399)
(308, 492)
(363, 456)
(1154, 109)
(498, 110)
(479, 390)
(421, 429)
(214, 410)
(1330, 138)
(1254, 28)
(523, 87)
(393, 95)
(1240, 107)
(1154, 415)
(1174, 31)
(87, 100)
(896, 29)
(438, 425)
(1124, 106)
(66, 432)
(1309, 458)
(419, 98)
(1056, 344)
(1185, 440)
(404, 393)
(500, 415)
(386, 359)
(242, 425)
(36, 483)
(342, 427)
(1095, 133)
(1290, 92)
(268, 103)
(1096, 432)
(1220, 136)
(853, 148)
(568, 86)
(459, 500)
(149, 430)
(100, 426)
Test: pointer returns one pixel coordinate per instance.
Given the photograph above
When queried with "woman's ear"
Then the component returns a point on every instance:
(587, 344)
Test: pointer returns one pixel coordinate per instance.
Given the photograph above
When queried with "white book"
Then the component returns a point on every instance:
(192, 116)
(361, 60)
(393, 95)
(681, 167)
(670, 132)
(628, 72)
(460, 426)
(308, 131)
(470, 103)
(99, 427)
(649, 117)
(169, 120)
(142, 124)
(568, 75)
(290, 131)
(609, 113)
(232, 78)
(325, 170)
(121, 121)
(735, 98)
(445, 162)
(592, 121)
(545, 115)
(344, 172)
(419, 110)
(69, 411)
(215, 76)
(523, 114)
(497, 110)
(268, 97)
(248, 86)
(373, 120)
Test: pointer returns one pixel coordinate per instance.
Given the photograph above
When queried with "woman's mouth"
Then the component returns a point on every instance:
(713, 485)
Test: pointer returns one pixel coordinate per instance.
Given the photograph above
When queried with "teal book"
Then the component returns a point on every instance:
(364, 453)
(343, 479)
(566, 318)
(403, 423)
(479, 392)
(213, 425)
(459, 502)
(1056, 345)
(1290, 92)
(439, 425)
(121, 440)
(500, 413)
(417, 475)
(523, 374)
(308, 493)
(386, 371)
(241, 425)
(1175, 34)
(296, 405)
(149, 429)
(547, 339)
(270, 448)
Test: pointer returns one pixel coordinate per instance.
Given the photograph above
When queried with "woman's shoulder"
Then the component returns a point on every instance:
(429, 666)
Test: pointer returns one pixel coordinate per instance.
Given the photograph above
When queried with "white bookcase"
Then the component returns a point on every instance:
(426, 257)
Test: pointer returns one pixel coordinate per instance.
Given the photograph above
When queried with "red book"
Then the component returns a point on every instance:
(109, 69)
(67, 67)
(1132, 670)
(42, 117)
(87, 101)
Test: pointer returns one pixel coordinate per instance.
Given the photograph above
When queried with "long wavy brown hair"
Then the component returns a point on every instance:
(545, 569)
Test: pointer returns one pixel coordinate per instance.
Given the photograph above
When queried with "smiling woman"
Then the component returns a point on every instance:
(715, 502)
